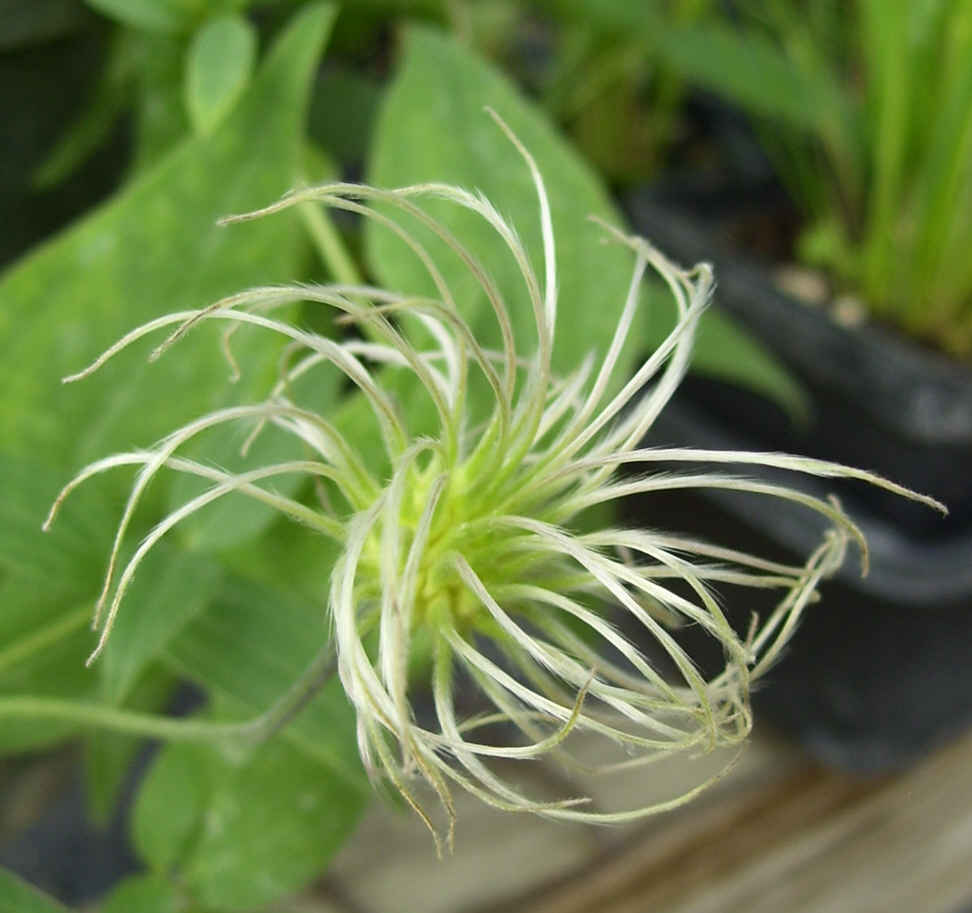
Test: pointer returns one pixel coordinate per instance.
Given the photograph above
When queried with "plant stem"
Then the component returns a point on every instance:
(131, 722)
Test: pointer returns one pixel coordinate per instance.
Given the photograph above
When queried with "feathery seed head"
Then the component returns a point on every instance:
(469, 541)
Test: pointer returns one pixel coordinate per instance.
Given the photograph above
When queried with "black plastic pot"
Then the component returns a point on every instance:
(881, 669)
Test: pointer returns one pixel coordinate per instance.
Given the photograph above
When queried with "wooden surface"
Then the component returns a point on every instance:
(779, 835)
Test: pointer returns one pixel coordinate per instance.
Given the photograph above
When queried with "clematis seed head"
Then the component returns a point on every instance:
(466, 559)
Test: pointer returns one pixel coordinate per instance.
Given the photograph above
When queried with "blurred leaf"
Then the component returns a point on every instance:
(44, 640)
(45, 593)
(109, 755)
(45, 637)
(16, 896)
(269, 829)
(943, 219)
(255, 831)
(218, 66)
(48, 591)
(170, 590)
(155, 248)
(160, 118)
(433, 127)
(750, 70)
(143, 894)
(252, 644)
(730, 60)
(70, 556)
(170, 805)
(151, 15)
(236, 519)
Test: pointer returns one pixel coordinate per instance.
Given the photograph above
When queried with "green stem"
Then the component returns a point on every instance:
(131, 722)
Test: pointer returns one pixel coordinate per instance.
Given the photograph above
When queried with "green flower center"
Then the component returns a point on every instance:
(459, 526)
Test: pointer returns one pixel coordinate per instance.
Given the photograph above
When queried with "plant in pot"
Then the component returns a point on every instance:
(873, 141)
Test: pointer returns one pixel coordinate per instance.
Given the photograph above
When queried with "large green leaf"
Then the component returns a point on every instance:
(433, 128)
(270, 828)
(242, 835)
(153, 248)
(16, 896)
(171, 590)
(248, 649)
(70, 556)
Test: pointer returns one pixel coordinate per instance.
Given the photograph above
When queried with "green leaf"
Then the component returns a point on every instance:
(171, 589)
(153, 249)
(267, 828)
(288, 560)
(218, 66)
(70, 556)
(170, 805)
(270, 830)
(109, 755)
(237, 519)
(252, 643)
(433, 127)
(160, 119)
(44, 639)
(151, 15)
(16, 896)
(144, 894)
(750, 70)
